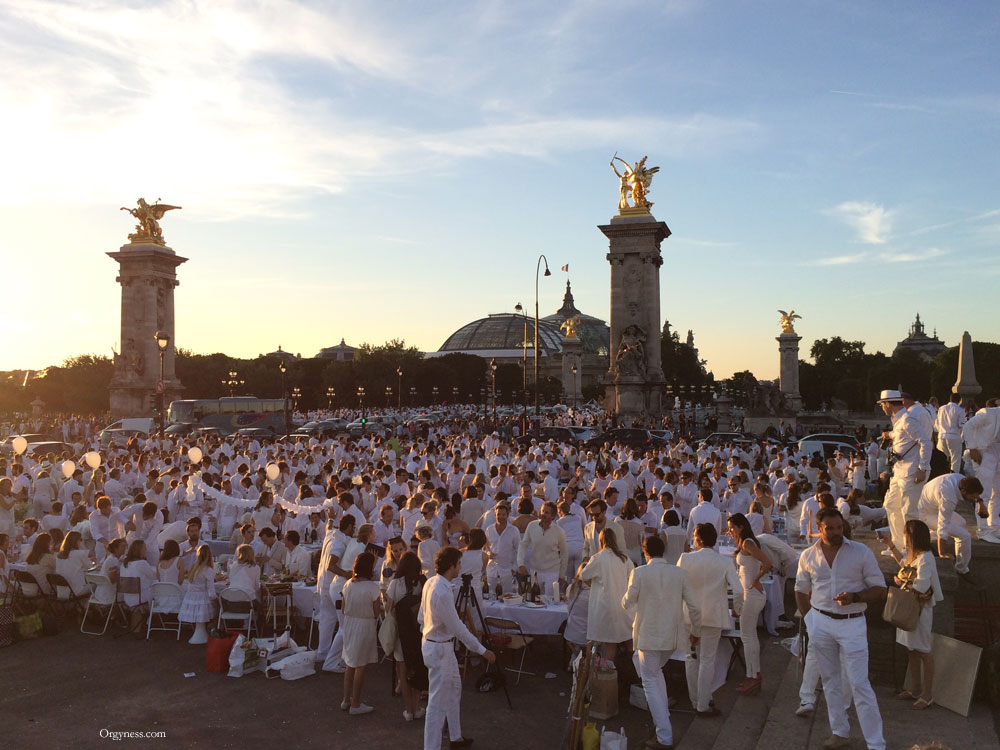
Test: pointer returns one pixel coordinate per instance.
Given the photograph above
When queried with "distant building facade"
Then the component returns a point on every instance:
(918, 341)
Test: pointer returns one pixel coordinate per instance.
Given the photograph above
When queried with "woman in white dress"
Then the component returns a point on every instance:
(608, 572)
(197, 606)
(72, 563)
(408, 579)
(926, 583)
(135, 565)
(753, 564)
(474, 560)
(244, 572)
(362, 605)
(40, 561)
(170, 569)
(635, 532)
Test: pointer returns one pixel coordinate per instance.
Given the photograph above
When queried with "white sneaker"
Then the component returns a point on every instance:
(805, 709)
(785, 624)
(364, 708)
(419, 713)
(407, 716)
(886, 553)
(344, 705)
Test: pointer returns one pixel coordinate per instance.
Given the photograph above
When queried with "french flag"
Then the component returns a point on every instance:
(566, 268)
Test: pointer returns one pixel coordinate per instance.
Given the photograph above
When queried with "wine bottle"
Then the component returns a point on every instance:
(536, 592)
(499, 590)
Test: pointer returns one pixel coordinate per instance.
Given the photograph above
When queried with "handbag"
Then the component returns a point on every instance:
(388, 634)
(217, 652)
(28, 626)
(903, 604)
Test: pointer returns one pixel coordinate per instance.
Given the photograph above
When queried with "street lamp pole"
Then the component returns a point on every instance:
(574, 370)
(330, 393)
(538, 267)
(296, 395)
(524, 369)
(162, 342)
(361, 399)
(493, 387)
(399, 391)
(284, 396)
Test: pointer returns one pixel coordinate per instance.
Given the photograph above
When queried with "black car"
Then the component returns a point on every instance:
(545, 434)
(628, 436)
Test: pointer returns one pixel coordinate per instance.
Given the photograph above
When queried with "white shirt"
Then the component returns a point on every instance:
(299, 561)
(939, 497)
(950, 419)
(703, 512)
(854, 569)
(504, 545)
(438, 617)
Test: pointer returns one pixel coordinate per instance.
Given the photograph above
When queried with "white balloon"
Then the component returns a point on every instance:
(195, 455)
(68, 467)
(93, 459)
(273, 471)
(19, 444)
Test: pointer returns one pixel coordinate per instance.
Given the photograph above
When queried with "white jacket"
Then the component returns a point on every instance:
(654, 597)
(710, 575)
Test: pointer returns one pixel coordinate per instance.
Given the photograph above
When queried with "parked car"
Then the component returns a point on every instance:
(544, 434)
(826, 448)
(630, 437)
(259, 433)
(120, 436)
(40, 450)
(582, 432)
(7, 447)
(835, 437)
(663, 435)
(721, 438)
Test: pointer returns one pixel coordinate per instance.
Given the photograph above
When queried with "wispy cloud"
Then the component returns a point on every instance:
(871, 221)
(842, 260)
(903, 256)
(956, 222)
(233, 109)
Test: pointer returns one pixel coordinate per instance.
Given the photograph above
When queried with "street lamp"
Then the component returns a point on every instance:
(454, 393)
(434, 394)
(361, 399)
(330, 393)
(413, 395)
(233, 381)
(538, 267)
(524, 369)
(296, 395)
(493, 377)
(388, 395)
(399, 391)
(162, 342)
(284, 396)
(574, 370)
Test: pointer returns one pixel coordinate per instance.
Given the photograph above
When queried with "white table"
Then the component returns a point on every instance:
(533, 620)
(302, 596)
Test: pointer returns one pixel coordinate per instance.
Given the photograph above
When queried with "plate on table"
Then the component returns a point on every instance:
(533, 605)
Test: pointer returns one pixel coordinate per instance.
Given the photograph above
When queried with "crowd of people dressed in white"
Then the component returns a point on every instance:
(630, 537)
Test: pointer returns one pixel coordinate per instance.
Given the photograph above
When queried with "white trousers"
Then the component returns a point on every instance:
(573, 559)
(957, 531)
(988, 473)
(545, 580)
(504, 574)
(843, 644)
(335, 657)
(901, 502)
(445, 693)
(810, 681)
(951, 446)
(700, 672)
(649, 665)
(327, 622)
(753, 605)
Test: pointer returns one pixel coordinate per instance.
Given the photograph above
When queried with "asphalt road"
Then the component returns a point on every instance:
(63, 691)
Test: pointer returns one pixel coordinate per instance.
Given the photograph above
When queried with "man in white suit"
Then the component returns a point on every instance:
(709, 575)
(655, 594)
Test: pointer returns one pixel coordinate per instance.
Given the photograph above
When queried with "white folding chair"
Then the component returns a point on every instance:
(108, 601)
(165, 599)
(507, 634)
(235, 604)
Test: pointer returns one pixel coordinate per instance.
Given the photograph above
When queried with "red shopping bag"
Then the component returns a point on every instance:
(217, 653)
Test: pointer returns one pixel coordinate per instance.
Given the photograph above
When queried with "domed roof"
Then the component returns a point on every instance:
(502, 331)
(342, 352)
(593, 332)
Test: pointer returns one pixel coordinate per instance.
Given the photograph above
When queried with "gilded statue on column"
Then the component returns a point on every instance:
(787, 321)
(634, 184)
(148, 228)
(570, 326)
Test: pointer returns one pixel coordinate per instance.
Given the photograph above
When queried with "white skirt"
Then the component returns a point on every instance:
(920, 638)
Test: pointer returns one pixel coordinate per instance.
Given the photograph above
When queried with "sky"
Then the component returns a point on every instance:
(371, 171)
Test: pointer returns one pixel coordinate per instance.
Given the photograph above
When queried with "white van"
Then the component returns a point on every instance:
(142, 424)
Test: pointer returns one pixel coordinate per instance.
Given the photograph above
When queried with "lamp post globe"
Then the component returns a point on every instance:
(162, 342)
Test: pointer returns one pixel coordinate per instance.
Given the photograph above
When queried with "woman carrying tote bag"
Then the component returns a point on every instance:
(917, 577)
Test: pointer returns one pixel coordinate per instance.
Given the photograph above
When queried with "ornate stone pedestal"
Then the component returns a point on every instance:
(147, 273)
(966, 385)
(572, 354)
(788, 350)
(635, 383)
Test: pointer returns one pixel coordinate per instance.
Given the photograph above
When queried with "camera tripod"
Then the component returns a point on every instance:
(465, 598)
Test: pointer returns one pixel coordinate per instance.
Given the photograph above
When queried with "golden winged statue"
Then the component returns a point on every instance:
(635, 182)
(787, 321)
(570, 326)
(148, 228)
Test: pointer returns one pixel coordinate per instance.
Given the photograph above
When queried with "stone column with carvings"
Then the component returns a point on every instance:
(572, 354)
(147, 274)
(635, 383)
(788, 351)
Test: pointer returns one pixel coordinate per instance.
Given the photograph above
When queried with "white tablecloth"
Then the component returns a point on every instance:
(533, 621)
(219, 546)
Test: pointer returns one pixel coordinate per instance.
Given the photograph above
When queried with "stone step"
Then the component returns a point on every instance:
(742, 717)
(782, 728)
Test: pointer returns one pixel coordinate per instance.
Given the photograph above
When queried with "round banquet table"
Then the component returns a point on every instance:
(533, 620)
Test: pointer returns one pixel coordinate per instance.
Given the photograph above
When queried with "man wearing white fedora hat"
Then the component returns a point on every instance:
(911, 460)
